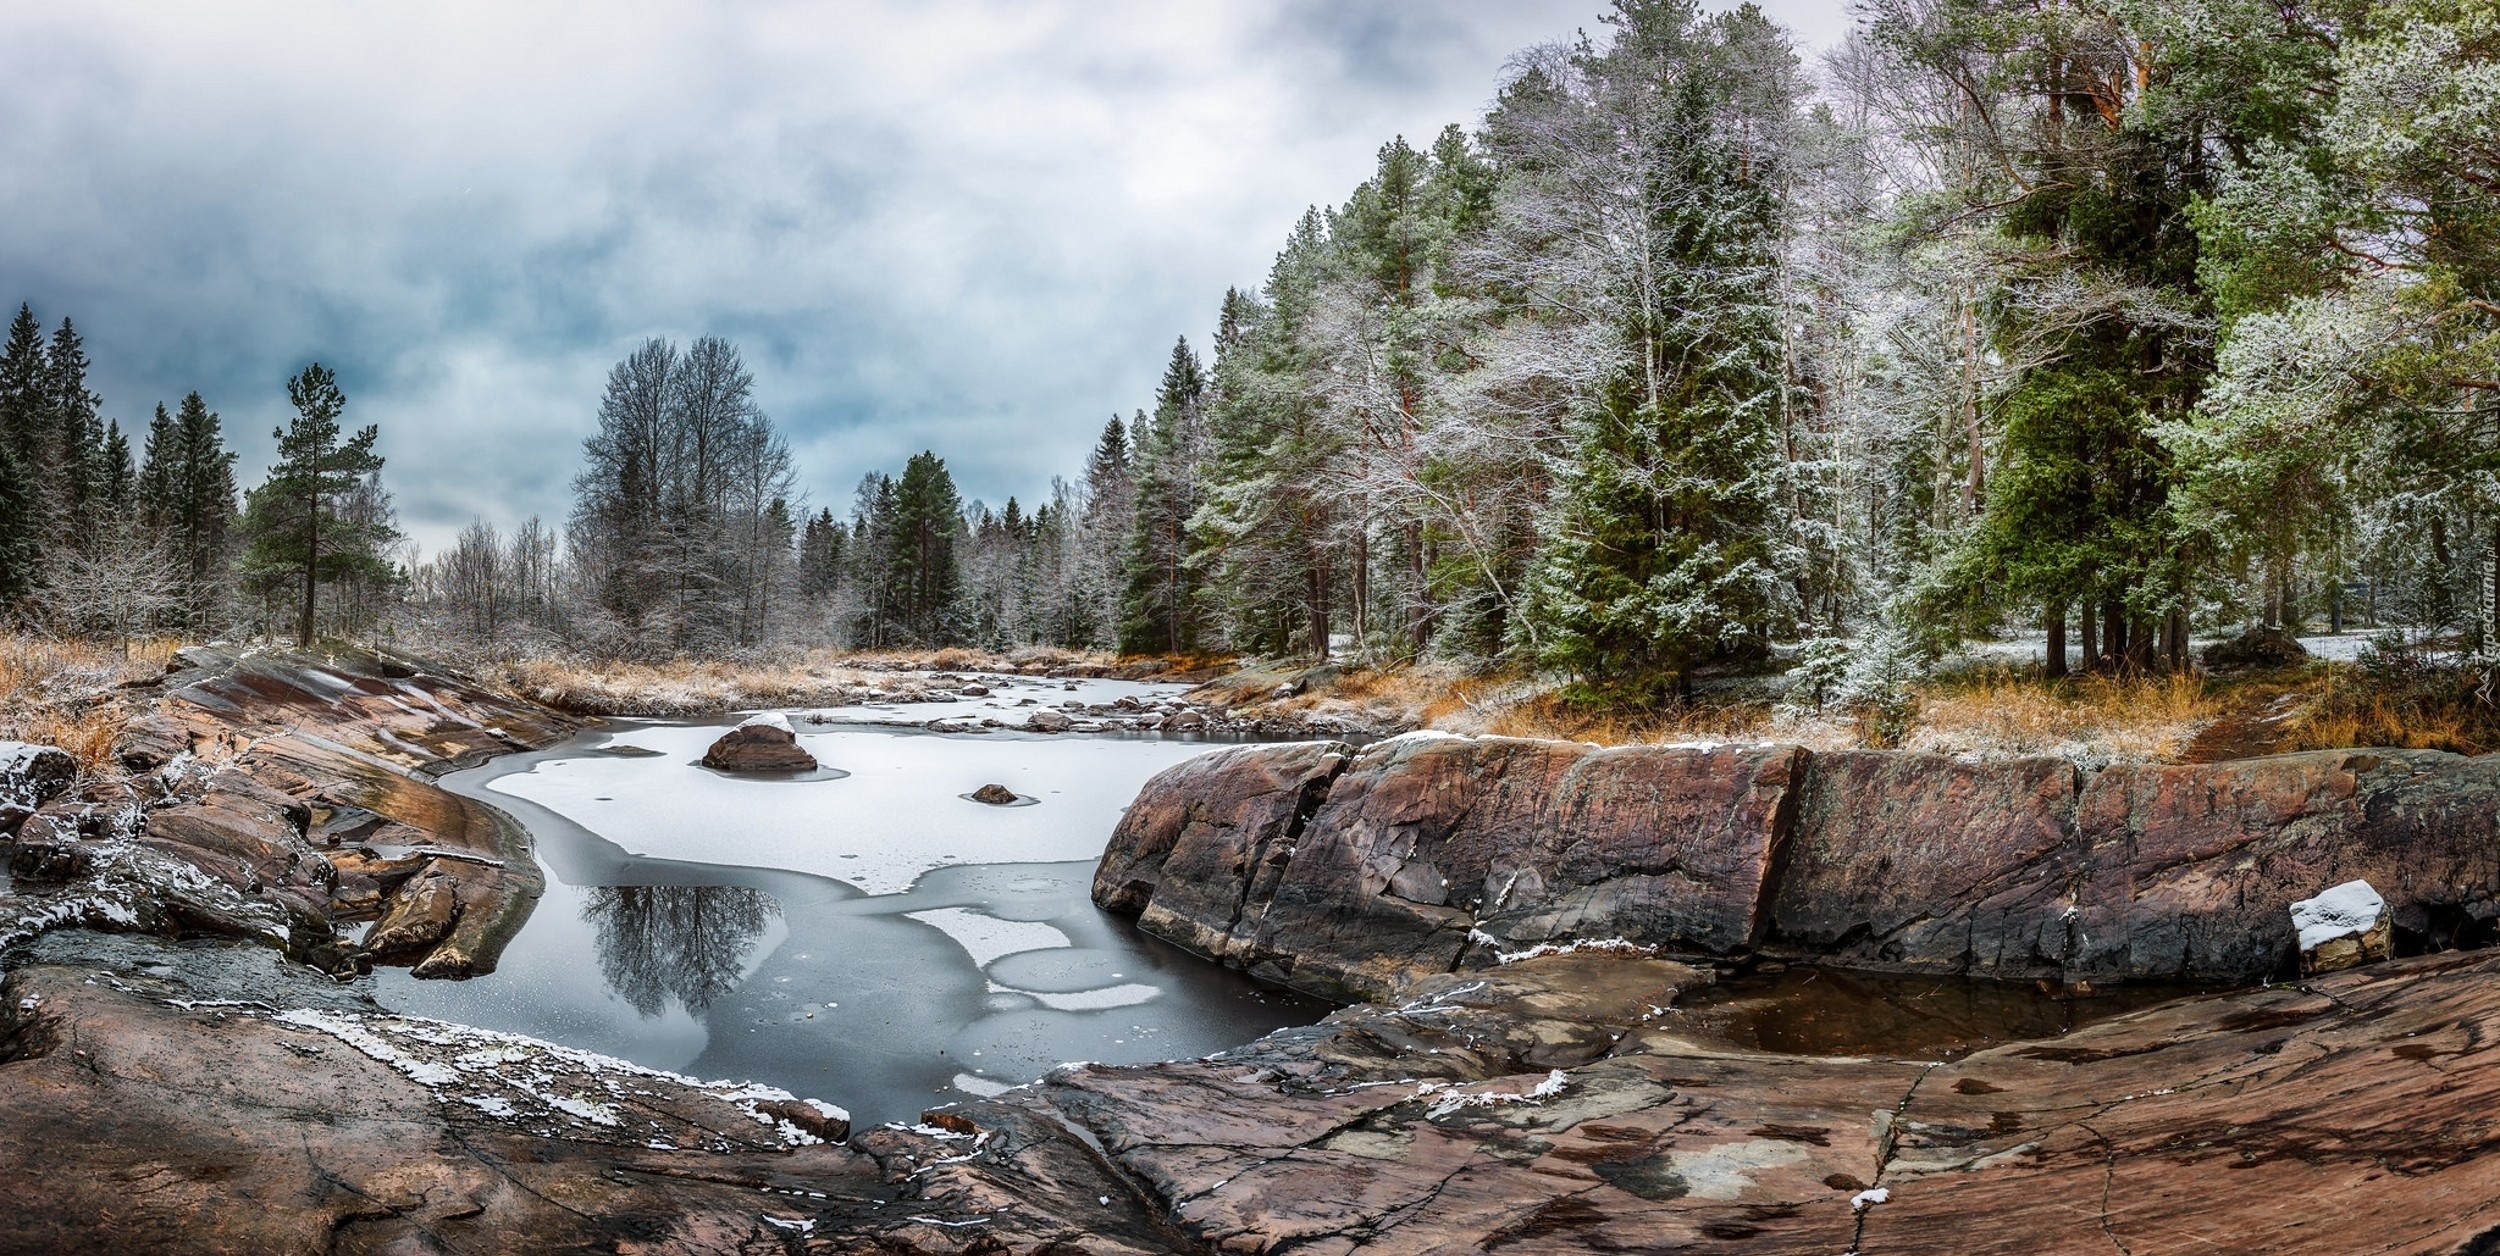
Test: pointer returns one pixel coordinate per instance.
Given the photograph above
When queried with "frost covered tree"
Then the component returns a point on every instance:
(683, 522)
(1653, 171)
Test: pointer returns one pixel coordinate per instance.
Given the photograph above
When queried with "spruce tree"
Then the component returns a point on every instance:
(25, 393)
(155, 490)
(186, 500)
(1657, 552)
(77, 438)
(25, 436)
(927, 526)
(1160, 607)
(820, 557)
(305, 526)
(20, 542)
(120, 478)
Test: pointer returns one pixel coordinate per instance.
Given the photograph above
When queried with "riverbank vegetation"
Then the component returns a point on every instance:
(1693, 360)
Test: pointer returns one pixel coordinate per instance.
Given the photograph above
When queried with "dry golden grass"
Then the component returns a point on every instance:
(58, 693)
(2149, 719)
(698, 687)
(1992, 714)
(2350, 711)
(683, 687)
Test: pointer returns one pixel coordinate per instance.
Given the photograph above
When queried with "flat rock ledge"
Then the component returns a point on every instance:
(1347, 873)
(1550, 1105)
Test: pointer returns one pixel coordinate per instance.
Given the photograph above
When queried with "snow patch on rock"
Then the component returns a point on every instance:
(2348, 909)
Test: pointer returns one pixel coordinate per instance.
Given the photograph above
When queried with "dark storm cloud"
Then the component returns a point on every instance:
(969, 227)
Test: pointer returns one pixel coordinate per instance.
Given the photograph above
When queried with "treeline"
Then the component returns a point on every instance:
(97, 542)
(2117, 321)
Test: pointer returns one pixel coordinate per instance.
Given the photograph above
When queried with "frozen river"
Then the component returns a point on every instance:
(867, 936)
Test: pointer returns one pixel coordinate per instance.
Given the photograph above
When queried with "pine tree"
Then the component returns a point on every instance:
(305, 524)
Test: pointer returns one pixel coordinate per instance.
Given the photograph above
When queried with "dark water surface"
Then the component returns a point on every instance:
(1806, 1010)
(974, 977)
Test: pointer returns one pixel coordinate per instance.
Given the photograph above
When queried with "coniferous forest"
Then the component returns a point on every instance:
(2118, 324)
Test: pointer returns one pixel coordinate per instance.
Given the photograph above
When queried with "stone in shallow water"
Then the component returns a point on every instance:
(2344, 927)
(995, 795)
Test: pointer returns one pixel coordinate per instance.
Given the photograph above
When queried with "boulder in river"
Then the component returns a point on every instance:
(764, 743)
(30, 776)
(2344, 927)
(1047, 720)
(995, 795)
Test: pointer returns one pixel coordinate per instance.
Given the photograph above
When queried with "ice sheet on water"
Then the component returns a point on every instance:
(986, 937)
(898, 816)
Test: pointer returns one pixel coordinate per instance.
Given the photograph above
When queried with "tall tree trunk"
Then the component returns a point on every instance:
(2054, 659)
(1317, 603)
(312, 570)
(2114, 635)
(1360, 563)
(2091, 636)
(1418, 606)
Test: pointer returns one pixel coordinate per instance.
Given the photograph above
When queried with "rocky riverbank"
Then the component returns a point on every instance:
(285, 798)
(1348, 873)
(1524, 1077)
(219, 1102)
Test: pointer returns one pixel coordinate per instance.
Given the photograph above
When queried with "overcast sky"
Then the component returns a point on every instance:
(969, 227)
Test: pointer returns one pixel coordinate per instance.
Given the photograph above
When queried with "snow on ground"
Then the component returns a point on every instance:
(1010, 700)
(2024, 648)
(541, 1085)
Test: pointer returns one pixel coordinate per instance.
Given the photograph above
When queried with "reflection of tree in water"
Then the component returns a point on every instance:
(682, 942)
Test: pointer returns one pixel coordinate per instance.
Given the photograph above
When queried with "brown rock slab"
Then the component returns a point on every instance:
(1431, 853)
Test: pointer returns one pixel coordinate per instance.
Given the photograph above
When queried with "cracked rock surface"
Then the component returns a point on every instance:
(1554, 1105)
(1345, 873)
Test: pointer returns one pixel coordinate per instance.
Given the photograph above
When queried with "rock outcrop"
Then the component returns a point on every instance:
(764, 743)
(1552, 1105)
(254, 786)
(31, 776)
(1429, 853)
